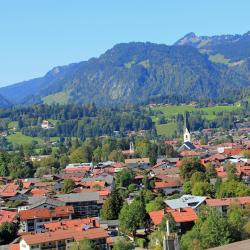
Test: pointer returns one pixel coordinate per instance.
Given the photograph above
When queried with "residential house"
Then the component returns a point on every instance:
(186, 201)
(223, 204)
(86, 204)
(61, 239)
(33, 220)
(138, 163)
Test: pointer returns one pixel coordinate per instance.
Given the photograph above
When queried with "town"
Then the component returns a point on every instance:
(164, 195)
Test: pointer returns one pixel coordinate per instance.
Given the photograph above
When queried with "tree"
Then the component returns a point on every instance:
(123, 245)
(116, 155)
(232, 188)
(154, 205)
(68, 186)
(210, 230)
(197, 177)
(124, 178)
(132, 217)
(112, 206)
(201, 188)
(237, 219)
(85, 244)
(187, 188)
(156, 240)
(190, 166)
(214, 230)
(210, 171)
(246, 154)
(231, 171)
(8, 232)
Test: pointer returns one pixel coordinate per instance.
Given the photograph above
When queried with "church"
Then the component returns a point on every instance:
(187, 143)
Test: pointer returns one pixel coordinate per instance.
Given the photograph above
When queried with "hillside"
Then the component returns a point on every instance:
(133, 73)
(234, 48)
(4, 102)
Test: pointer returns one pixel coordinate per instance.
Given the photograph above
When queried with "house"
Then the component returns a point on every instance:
(171, 186)
(42, 202)
(7, 216)
(186, 201)
(111, 226)
(138, 163)
(156, 217)
(86, 204)
(34, 219)
(34, 158)
(223, 204)
(183, 218)
(61, 239)
(65, 224)
(46, 125)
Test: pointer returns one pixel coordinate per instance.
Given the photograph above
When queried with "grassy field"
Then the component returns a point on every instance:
(170, 112)
(12, 125)
(60, 98)
(19, 138)
(167, 130)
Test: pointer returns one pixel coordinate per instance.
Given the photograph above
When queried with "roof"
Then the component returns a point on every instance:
(187, 153)
(9, 190)
(39, 191)
(46, 212)
(65, 224)
(7, 216)
(38, 201)
(72, 233)
(14, 246)
(166, 184)
(228, 201)
(185, 201)
(76, 197)
(137, 160)
(156, 217)
(183, 215)
(240, 245)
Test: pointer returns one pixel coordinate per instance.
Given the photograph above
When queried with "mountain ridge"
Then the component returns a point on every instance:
(136, 72)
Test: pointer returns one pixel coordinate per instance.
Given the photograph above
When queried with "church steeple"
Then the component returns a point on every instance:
(186, 133)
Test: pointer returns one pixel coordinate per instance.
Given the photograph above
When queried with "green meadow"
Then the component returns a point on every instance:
(171, 111)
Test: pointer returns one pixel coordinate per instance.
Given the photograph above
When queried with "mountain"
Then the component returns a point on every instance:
(4, 102)
(134, 73)
(233, 48)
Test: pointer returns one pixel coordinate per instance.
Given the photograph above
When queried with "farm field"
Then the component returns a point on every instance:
(19, 138)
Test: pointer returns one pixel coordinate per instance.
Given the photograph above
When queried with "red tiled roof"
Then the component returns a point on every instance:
(189, 153)
(9, 190)
(183, 214)
(221, 172)
(166, 184)
(156, 217)
(92, 233)
(109, 240)
(7, 216)
(46, 212)
(232, 151)
(118, 165)
(26, 184)
(80, 169)
(76, 223)
(14, 246)
(228, 201)
(38, 191)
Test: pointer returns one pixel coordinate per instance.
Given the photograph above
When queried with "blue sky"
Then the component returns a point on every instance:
(38, 35)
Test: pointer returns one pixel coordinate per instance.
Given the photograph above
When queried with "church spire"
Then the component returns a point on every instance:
(186, 133)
